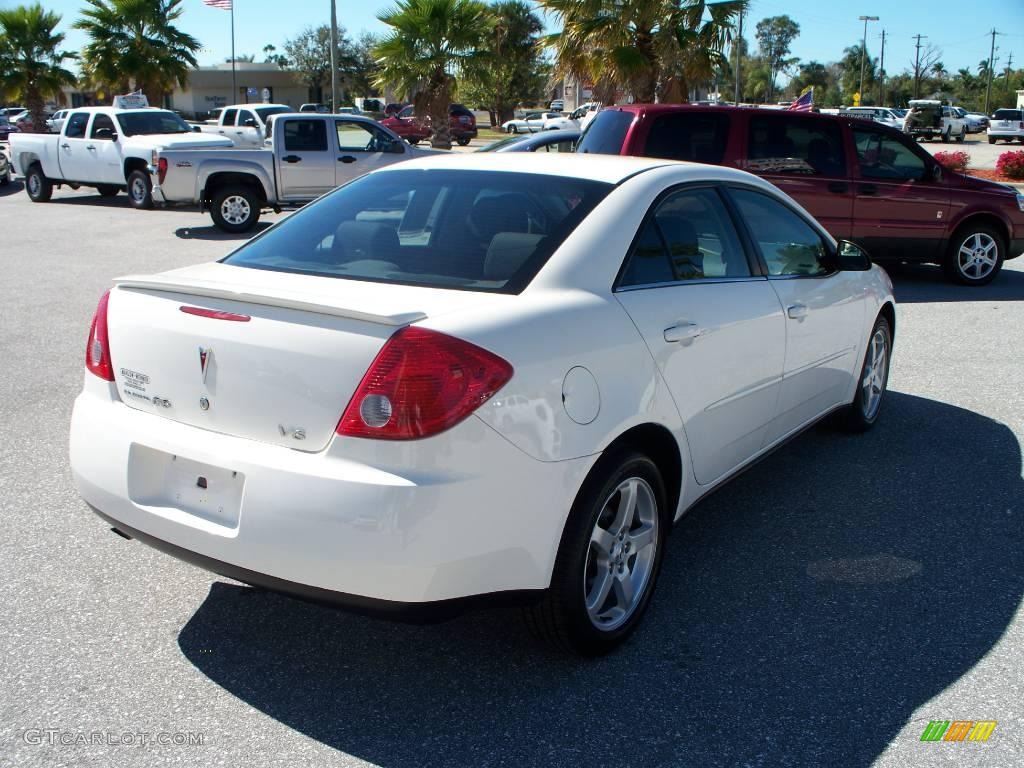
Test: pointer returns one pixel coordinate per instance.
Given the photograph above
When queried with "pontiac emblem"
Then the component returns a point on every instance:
(205, 356)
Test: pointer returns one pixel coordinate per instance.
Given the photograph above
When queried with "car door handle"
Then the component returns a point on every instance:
(683, 331)
(797, 311)
(867, 189)
(838, 186)
(346, 159)
(66, 145)
(91, 146)
(292, 159)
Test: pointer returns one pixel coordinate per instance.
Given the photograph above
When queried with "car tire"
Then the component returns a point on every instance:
(235, 209)
(513, 129)
(608, 559)
(414, 142)
(38, 187)
(962, 136)
(991, 140)
(946, 135)
(6, 178)
(969, 259)
(108, 190)
(140, 190)
(463, 142)
(862, 414)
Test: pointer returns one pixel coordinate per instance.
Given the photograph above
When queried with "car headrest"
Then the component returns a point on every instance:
(508, 252)
(365, 240)
(499, 213)
(683, 248)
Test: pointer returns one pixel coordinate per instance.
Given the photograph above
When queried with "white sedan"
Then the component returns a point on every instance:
(476, 379)
(531, 122)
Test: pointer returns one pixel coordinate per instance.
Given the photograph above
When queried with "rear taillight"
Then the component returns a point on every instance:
(421, 383)
(97, 351)
(161, 169)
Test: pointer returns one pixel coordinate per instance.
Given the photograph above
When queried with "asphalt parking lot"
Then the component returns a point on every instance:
(820, 610)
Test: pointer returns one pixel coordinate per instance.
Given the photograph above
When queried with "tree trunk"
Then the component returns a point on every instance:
(440, 99)
(645, 83)
(37, 108)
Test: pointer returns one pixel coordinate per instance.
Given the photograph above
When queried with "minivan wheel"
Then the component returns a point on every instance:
(235, 209)
(608, 560)
(140, 190)
(863, 412)
(975, 255)
(38, 187)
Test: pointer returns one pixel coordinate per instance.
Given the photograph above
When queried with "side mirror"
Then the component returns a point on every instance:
(852, 258)
(196, 129)
(250, 123)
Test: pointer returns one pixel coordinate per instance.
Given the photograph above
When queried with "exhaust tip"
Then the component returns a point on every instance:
(122, 534)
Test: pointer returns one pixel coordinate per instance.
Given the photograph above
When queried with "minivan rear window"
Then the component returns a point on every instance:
(471, 230)
(1009, 114)
(700, 137)
(607, 132)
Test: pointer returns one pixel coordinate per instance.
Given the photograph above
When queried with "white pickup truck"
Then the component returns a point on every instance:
(307, 154)
(933, 119)
(245, 124)
(108, 148)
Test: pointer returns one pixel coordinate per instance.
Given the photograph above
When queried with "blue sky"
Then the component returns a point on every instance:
(958, 27)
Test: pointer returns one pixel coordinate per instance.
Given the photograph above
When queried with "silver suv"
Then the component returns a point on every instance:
(1006, 124)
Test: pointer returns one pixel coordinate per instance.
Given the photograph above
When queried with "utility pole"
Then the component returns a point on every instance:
(881, 74)
(334, 63)
(917, 67)
(991, 56)
(864, 51)
(739, 45)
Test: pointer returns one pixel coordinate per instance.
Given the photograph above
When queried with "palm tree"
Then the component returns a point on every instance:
(653, 48)
(429, 42)
(30, 59)
(133, 44)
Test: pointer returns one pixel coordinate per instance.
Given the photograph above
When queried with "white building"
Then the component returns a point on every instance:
(210, 87)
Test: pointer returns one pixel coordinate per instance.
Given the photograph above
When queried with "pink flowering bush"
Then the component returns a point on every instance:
(1011, 164)
(954, 161)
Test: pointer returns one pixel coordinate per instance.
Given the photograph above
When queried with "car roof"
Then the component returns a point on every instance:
(610, 169)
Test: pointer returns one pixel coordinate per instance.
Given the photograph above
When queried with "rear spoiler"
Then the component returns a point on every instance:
(283, 300)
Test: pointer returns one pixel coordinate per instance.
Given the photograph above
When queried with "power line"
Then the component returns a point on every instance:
(991, 55)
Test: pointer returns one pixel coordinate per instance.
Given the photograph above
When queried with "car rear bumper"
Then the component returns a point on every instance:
(373, 525)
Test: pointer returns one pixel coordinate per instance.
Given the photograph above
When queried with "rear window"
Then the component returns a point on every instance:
(607, 132)
(458, 109)
(1009, 114)
(469, 230)
(696, 136)
(151, 122)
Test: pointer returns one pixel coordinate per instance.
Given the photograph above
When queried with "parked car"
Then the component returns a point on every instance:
(573, 120)
(405, 124)
(6, 129)
(864, 182)
(320, 108)
(463, 124)
(1006, 124)
(56, 121)
(545, 141)
(381, 416)
(558, 105)
(109, 148)
(245, 124)
(974, 125)
(881, 115)
(308, 154)
(349, 111)
(979, 118)
(531, 122)
(11, 112)
(933, 119)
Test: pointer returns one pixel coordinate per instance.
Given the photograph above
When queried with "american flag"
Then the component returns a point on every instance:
(224, 5)
(804, 103)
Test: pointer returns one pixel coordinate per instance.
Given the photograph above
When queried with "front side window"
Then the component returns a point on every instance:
(689, 237)
(699, 137)
(150, 122)
(789, 245)
(75, 128)
(305, 136)
(461, 229)
(358, 137)
(796, 144)
(246, 118)
(881, 156)
(266, 112)
(102, 128)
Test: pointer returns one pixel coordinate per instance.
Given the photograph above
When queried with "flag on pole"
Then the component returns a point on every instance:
(224, 5)
(804, 103)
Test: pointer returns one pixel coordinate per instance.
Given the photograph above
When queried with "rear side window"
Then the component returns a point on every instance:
(689, 237)
(696, 136)
(479, 231)
(305, 136)
(229, 116)
(607, 132)
(75, 129)
(797, 144)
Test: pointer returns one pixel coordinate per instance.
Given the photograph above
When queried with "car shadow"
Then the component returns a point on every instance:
(13, 188)
(923, 283)
(212, 233)
(804, 612)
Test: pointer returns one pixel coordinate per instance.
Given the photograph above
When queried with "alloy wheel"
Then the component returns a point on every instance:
(978, 255)
(621, 555)
(874, 375)
(139, 190)
(235, 209)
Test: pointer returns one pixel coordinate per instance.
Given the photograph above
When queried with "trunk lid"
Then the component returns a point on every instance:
(282, 376)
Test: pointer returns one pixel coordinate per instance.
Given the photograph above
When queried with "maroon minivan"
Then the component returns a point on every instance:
(863, 181)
